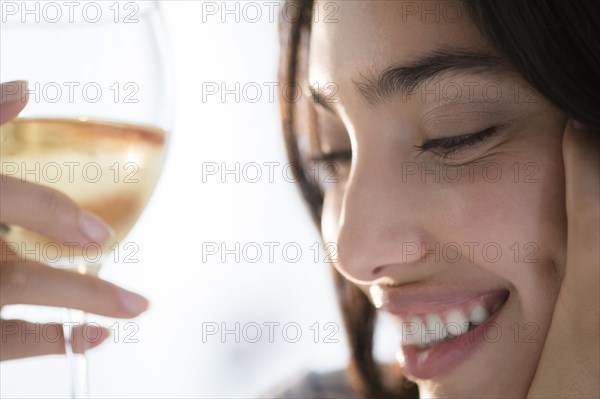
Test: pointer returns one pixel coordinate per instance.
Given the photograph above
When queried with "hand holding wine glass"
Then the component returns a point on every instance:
(89, 147)
(54, 215)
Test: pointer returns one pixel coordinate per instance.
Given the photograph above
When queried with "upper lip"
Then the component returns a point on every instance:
(407, 301)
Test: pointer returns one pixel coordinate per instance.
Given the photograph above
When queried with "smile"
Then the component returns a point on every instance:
(439, 328)
(426, 330)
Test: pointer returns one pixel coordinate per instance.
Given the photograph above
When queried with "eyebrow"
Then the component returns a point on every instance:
(404, 79)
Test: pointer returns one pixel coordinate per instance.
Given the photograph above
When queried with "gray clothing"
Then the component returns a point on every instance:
(312, 385)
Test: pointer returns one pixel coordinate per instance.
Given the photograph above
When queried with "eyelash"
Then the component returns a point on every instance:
(334, 156)
(446, 147)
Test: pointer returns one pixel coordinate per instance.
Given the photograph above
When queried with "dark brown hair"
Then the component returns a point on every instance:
(554, 45)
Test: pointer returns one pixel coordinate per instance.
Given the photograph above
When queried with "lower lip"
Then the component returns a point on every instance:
(442, 358)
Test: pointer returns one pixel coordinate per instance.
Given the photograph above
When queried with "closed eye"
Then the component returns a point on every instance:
(334, 156)
(446, 147)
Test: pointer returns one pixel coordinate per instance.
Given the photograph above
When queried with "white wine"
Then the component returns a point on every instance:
(108, 168)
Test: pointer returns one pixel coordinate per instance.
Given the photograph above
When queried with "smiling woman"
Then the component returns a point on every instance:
(481, 270)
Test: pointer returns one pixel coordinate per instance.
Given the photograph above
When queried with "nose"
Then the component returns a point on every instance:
(377, 220)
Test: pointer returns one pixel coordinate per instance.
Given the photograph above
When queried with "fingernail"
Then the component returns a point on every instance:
(94, 228)
(12, 92)
(577, 125)
(134, 303)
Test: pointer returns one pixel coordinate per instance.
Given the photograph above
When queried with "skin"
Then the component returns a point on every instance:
(375, 207)
(53, 214)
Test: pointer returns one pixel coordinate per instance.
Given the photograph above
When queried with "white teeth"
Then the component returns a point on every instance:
(478, 314)
(411, 332)
(431, 328)
(435, 329)
(413, 340)
(456, 323)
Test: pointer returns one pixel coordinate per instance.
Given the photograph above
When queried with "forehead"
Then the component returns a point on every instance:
(363, 37)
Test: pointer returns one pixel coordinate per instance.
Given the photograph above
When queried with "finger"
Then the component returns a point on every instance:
(24, 339)
(13, 98)
(26, 282)
(49, 212)
(581, 152)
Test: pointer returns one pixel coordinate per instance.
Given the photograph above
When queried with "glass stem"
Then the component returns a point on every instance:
(76, 353)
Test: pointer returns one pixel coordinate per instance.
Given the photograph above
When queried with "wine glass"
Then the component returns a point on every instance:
(96, 124)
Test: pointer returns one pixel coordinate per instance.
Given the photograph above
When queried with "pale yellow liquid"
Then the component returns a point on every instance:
(130, 159)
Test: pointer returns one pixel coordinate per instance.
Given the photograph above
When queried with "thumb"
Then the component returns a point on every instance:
(581, 152)
(568, 367)
(13, 98)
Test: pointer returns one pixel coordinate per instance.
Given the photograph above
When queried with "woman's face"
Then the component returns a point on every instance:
(462, 232)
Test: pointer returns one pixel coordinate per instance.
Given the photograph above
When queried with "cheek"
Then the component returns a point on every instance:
(517, 218)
